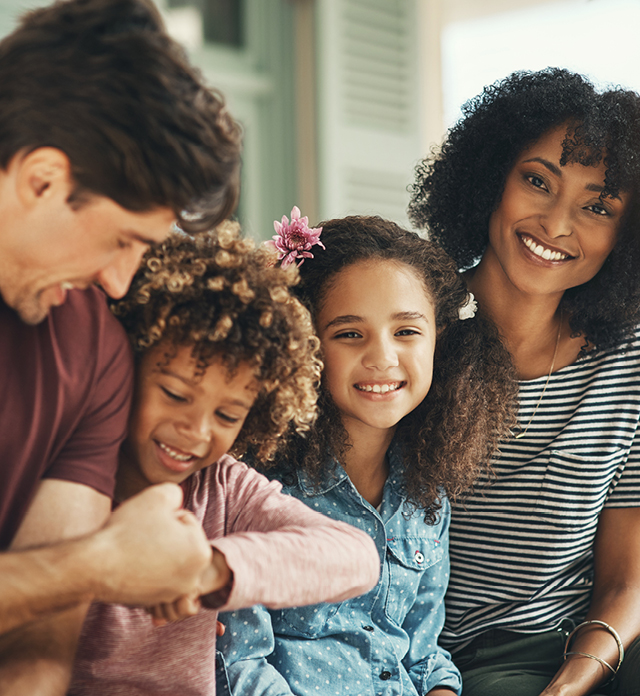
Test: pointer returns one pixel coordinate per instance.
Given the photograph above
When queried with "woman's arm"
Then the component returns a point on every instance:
(616, 601)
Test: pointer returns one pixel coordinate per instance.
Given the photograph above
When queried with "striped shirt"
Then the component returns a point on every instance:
(522, 543)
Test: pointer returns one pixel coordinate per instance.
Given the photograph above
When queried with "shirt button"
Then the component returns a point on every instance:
(368, 628)
(385, 675)
(419, 557)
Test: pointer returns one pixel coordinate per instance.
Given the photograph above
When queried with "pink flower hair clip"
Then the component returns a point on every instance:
(294, 239)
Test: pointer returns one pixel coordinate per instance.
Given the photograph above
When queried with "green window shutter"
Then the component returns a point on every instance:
(368, 106)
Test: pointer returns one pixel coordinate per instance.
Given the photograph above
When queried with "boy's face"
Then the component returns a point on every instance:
(183, 421)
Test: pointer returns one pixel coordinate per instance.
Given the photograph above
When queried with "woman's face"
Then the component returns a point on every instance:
(551, 230)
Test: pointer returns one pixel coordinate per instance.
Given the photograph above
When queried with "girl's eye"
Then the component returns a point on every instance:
(536, 181)
(348, 334)
(407, 332)
(172, 395)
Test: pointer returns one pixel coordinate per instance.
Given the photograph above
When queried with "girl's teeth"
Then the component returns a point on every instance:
(380, 388)
(173, 454)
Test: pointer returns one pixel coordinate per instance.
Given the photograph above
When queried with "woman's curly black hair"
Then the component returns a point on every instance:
(447, 440)
(460, 185)
(226, 300)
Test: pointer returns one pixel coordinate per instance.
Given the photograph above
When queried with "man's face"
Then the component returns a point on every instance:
(99, 243)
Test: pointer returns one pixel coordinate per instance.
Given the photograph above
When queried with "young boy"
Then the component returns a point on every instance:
(226, 360)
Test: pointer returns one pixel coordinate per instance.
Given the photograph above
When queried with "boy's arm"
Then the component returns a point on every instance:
(281, 553)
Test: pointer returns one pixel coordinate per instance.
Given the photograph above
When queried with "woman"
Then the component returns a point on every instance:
(535, 194)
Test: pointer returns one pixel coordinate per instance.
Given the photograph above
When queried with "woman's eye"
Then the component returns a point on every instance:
(598, 209)
(173, 395)
(536, 181)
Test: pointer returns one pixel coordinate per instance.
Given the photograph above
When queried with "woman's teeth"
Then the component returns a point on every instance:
(379, 388)
(178, 456)
(542, 252)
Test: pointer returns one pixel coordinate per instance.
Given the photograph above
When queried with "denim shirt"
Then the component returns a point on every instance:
(383, 642)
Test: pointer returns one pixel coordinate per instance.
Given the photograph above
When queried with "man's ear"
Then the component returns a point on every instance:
(43, 174)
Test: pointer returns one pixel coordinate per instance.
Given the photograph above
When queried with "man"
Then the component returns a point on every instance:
(107, 138)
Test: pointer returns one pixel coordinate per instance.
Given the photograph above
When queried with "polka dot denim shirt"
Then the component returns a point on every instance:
(383, 642)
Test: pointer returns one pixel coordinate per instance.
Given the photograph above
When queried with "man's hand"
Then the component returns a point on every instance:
(151, 551)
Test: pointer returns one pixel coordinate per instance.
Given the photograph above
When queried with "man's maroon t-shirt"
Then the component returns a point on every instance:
(65, 387)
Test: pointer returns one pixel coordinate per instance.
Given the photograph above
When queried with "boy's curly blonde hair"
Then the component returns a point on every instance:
(224, 298)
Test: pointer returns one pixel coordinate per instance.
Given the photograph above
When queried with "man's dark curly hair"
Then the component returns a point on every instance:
(460, 186)
(226, 300)
(449, 438)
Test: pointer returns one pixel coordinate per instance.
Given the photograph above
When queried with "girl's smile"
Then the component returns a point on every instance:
(378, 341)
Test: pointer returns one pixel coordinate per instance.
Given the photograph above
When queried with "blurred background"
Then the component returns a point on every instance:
(339, 99)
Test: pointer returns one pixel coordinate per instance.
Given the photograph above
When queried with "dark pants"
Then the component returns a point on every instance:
(503, 663)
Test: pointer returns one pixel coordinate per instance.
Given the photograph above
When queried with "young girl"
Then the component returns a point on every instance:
(396, 433)
(226, 359)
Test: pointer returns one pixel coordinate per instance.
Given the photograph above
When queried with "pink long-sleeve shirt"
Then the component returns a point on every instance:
(281, 554)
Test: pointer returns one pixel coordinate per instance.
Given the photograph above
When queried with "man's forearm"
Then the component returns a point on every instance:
(38, 582)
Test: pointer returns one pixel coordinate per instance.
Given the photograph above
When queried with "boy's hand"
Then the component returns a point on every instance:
(151, 551)
(216, 576)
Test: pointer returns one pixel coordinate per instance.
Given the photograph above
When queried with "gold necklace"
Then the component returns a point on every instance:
(546, 384)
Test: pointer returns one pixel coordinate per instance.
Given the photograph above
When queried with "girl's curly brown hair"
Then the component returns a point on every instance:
(449, 439)
(224, 298)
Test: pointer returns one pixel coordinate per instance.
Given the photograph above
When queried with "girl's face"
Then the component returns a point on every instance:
(378, 333)
(183, 421)
(551, 230)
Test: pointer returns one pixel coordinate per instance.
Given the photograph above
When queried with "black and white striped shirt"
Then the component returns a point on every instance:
(521, 545)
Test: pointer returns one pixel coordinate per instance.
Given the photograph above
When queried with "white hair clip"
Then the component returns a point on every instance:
(469, 308)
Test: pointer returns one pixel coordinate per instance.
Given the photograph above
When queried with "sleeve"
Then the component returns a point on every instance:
(283, 554)
(247, 642)
(623, 402)
(427, 663)
(105, 370)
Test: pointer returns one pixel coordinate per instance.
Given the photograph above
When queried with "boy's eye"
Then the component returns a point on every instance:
(227, 418)
(173, 395)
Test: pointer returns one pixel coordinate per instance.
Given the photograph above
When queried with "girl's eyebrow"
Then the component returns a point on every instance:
(355, 319)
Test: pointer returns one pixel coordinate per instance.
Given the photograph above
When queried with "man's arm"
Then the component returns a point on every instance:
(37, 658)
(150, 551)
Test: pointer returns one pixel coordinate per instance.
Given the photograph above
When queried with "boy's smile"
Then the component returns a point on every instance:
(183, 419)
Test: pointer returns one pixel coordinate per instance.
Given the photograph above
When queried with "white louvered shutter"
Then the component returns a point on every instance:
(368, 106)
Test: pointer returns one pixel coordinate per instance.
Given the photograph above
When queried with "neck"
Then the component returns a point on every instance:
(366, 460)
(530, 325)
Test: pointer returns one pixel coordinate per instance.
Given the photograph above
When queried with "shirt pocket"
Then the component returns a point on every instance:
(575, 487)
(304, 622)
(408, 560)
